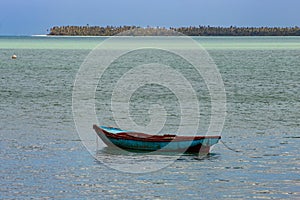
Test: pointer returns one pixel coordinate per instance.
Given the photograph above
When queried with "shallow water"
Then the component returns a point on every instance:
(42, 155)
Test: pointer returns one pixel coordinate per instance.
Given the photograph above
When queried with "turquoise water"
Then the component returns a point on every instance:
(42, 155)
(61, 42)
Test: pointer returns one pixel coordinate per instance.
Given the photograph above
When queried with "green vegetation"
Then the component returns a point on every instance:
(160, 31)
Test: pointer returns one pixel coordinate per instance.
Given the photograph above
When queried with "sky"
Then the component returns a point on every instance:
(30, 17)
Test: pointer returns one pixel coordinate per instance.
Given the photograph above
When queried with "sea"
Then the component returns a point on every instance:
(44, 153)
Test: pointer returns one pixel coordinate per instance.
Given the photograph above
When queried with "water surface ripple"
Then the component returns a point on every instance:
(42, 157)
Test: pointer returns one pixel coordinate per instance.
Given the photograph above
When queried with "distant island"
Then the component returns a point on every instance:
(161, 31)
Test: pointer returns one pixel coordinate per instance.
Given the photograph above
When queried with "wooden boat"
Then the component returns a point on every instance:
(130, 140)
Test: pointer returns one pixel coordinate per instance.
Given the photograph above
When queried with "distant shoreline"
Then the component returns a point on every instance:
(92, 36)
(162, 31)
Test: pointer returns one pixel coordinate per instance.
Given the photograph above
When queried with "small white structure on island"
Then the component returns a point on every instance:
(14, 56)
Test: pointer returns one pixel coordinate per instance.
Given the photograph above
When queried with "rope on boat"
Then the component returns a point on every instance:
(237, 151)
(97, 143)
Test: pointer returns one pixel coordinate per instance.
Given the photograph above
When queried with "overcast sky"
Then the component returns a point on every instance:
(27, 17)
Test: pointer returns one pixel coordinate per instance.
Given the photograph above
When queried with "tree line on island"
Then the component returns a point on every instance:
(162, 31)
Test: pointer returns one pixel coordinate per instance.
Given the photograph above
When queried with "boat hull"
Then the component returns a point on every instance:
(168, 143)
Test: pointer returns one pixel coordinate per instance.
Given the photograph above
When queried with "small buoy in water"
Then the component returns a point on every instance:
(14, 57)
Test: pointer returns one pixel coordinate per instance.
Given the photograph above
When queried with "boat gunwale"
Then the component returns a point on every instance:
(151, 138)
